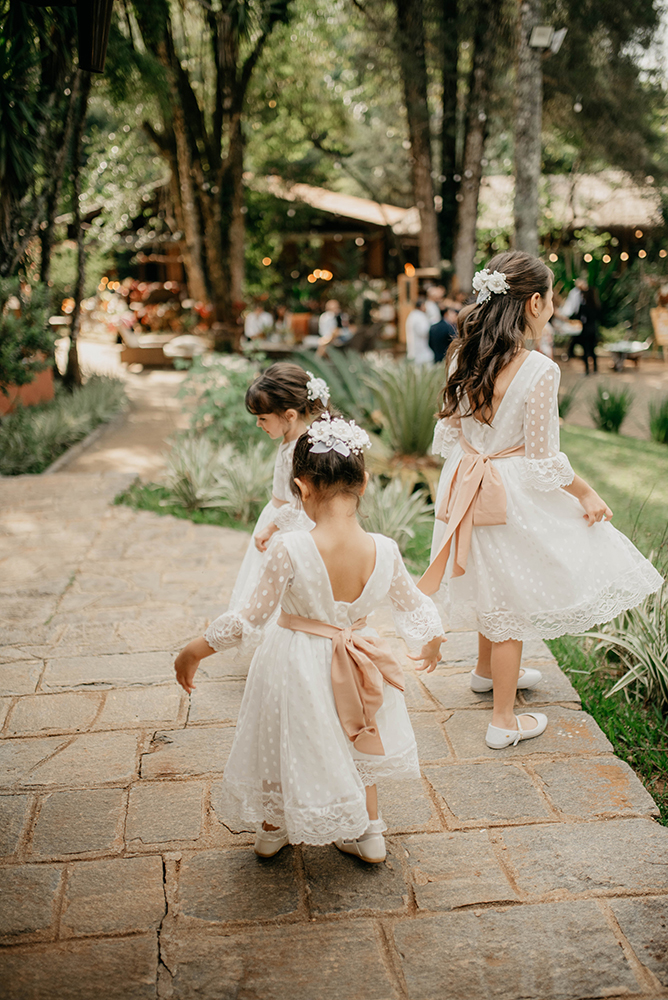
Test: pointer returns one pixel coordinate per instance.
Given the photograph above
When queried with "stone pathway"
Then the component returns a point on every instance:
(534, 873)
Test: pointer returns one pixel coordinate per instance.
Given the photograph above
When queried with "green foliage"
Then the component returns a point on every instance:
(347, 374)
(566, 400)
(609, 407)
(658, 420)
(217, 386)
(407, 398)
(395, 511)
(157, 499)
(33, 437)
(25, 337)
(638, 733)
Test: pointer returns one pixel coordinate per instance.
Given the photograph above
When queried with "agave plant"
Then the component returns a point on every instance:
(566, 400)
(610, 407)
(640, 639)
(244, 482)
(658, 420)
(394, 510)
(407, 398)
(194, 470)
(346, 375)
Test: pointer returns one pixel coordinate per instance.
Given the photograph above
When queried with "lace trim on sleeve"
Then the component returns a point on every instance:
(418, 626)
(547, 473)
(291, 518)
(230, 630)
(446, 436)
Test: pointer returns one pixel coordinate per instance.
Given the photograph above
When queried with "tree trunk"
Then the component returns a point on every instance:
(485, 41)
(449, 186)
(411, 44)
(72, 375)
(237, 227)
(528, 123)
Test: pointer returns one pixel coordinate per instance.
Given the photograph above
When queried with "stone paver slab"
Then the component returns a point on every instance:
(644, 922)
(5, 705)
(216, 701)
(27, 895)
(612, 855)
(201, 750)
(461, 649)
(42, 713)
(414, 694)
(168, 810)
(12, 654)
(569, 731)
(554, 687)
(595, 786)
(487, 792)
(223, 808)
(19, 757)
(139, 706)
(13, 815)
(108, 670)
(430, 738)
(454, 690)
(20, 676)
(117, 969)
(449, 870)
(235, 884)
(94, 758)
(558, 951)
(75, 822)
(405, 805)
(122, 895)
(339, 883)
(303, 962)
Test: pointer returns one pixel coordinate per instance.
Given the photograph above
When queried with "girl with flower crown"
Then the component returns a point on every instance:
(283, 398)
(522, 547)
(323, 715)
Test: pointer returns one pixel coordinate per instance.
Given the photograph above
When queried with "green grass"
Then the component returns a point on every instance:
(150, 496)
(630, 475)
(638, 733)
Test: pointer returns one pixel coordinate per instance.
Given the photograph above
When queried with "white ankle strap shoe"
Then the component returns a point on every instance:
(528, 678)
(270, 842)
(498, 739)
(369, 847)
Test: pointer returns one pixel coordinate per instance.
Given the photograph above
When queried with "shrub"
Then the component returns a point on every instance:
(566, 400)
(610, 407)
(246, 482)
(658, 420)
(32, 438)
(218, 383)
(407, 397)
(25, 339)
(346, 374)
(395, 511)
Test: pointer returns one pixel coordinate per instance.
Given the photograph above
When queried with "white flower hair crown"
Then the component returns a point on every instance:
(339, 435)
(317, 388)
(487, 283)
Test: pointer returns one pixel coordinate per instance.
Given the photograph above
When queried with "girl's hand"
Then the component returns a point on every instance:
(595, 509)
(188, 660)
(430, 654)
(262, 538)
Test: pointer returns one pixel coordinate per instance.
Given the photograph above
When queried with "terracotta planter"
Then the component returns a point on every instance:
(40, 390)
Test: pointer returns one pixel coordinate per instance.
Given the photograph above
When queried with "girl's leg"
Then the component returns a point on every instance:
(505, 661)
(372, 801)
(484, 665)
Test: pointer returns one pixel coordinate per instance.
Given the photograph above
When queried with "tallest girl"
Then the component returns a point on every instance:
(522, 547)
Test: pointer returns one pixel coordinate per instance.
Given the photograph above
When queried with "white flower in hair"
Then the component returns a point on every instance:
(317, 388)
(487, 283)
(339, 435)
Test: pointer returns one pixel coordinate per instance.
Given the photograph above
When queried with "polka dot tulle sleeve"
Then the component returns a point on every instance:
(246, 628)
(415, 615)
(546, 468)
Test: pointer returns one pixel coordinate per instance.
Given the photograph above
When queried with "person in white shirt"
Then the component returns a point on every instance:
(257, 322)
(432, 306)
(333, 327)
(417, 336)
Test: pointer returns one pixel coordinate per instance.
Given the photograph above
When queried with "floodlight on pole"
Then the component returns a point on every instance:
(544, 36)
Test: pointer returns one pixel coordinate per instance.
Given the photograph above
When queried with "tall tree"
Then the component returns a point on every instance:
(449, 53)
(528, 129)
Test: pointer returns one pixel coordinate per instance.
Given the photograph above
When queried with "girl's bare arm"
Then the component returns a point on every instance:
(595, 509)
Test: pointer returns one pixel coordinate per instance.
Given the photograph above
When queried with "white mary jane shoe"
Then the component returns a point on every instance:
(528, 679)
(498, 739)
(270, 842)
(369, 847)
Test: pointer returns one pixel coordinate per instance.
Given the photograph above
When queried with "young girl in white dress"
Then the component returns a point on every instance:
(284, 398)
(522, 547)
(323, 714)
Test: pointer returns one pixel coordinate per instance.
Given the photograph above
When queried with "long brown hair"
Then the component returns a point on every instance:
(281, 387)
(491, 334)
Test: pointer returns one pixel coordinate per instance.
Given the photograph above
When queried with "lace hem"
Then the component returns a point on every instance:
(316, 826)
(418, 626)
(498, 626)
(546, 474)
(289, 518)
(401, 767)
(230, 630)
(446, 436)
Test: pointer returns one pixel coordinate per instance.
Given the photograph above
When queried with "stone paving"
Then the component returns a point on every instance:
(538, 872)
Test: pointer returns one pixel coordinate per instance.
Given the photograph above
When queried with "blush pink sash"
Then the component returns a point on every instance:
(476, 497)
(360, 663)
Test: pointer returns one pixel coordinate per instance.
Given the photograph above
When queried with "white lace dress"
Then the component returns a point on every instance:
(544, 573)
(283, 510)
(291, 763)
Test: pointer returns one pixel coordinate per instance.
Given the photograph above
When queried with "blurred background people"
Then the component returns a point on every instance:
(417, 335)
(589, 315)
(258, 322)
(442, 334)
